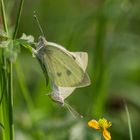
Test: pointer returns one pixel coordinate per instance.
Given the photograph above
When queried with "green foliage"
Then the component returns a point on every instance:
(109, 31)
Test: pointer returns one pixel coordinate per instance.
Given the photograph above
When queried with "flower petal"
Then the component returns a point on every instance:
(106, 134)
(94, 124)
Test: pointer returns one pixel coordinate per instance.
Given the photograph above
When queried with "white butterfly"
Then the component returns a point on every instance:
(59, 94)
(65, 69)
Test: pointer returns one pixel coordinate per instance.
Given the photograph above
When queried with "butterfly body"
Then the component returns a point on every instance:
(59, 94)
(55, 95)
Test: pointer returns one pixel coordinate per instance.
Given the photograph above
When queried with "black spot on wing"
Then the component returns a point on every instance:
(59, 74)
(73, 57)
(68, 72)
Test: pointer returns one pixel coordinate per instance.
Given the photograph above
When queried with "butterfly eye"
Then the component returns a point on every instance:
(68, 72)
(59, 74)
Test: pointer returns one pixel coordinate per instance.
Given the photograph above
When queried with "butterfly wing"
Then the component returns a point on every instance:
(82, 58)
(63, 69)
(44, 71)
(64, 92)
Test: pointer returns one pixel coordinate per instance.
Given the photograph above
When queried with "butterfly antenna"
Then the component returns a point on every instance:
(74, 113)
(38, 23)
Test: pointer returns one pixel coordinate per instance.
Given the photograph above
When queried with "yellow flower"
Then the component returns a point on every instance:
(101, 124)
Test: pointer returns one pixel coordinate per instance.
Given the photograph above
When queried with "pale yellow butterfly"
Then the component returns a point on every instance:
(63, 67)
(60, 93)
(66, 70)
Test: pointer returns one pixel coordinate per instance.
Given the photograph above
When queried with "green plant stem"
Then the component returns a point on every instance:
(4, 63)
(18, 19)
(7, 135)
(4, 16)
(129, 121)
(10, 72)
(101, 136)
(10, 95)
(7, 102)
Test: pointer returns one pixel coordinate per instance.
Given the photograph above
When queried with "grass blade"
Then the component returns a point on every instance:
(129, 121)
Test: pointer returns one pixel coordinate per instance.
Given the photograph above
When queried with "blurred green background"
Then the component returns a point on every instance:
(109, 30)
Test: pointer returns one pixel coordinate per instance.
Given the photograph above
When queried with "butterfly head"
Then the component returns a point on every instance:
(56, 98)
(41, 42)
